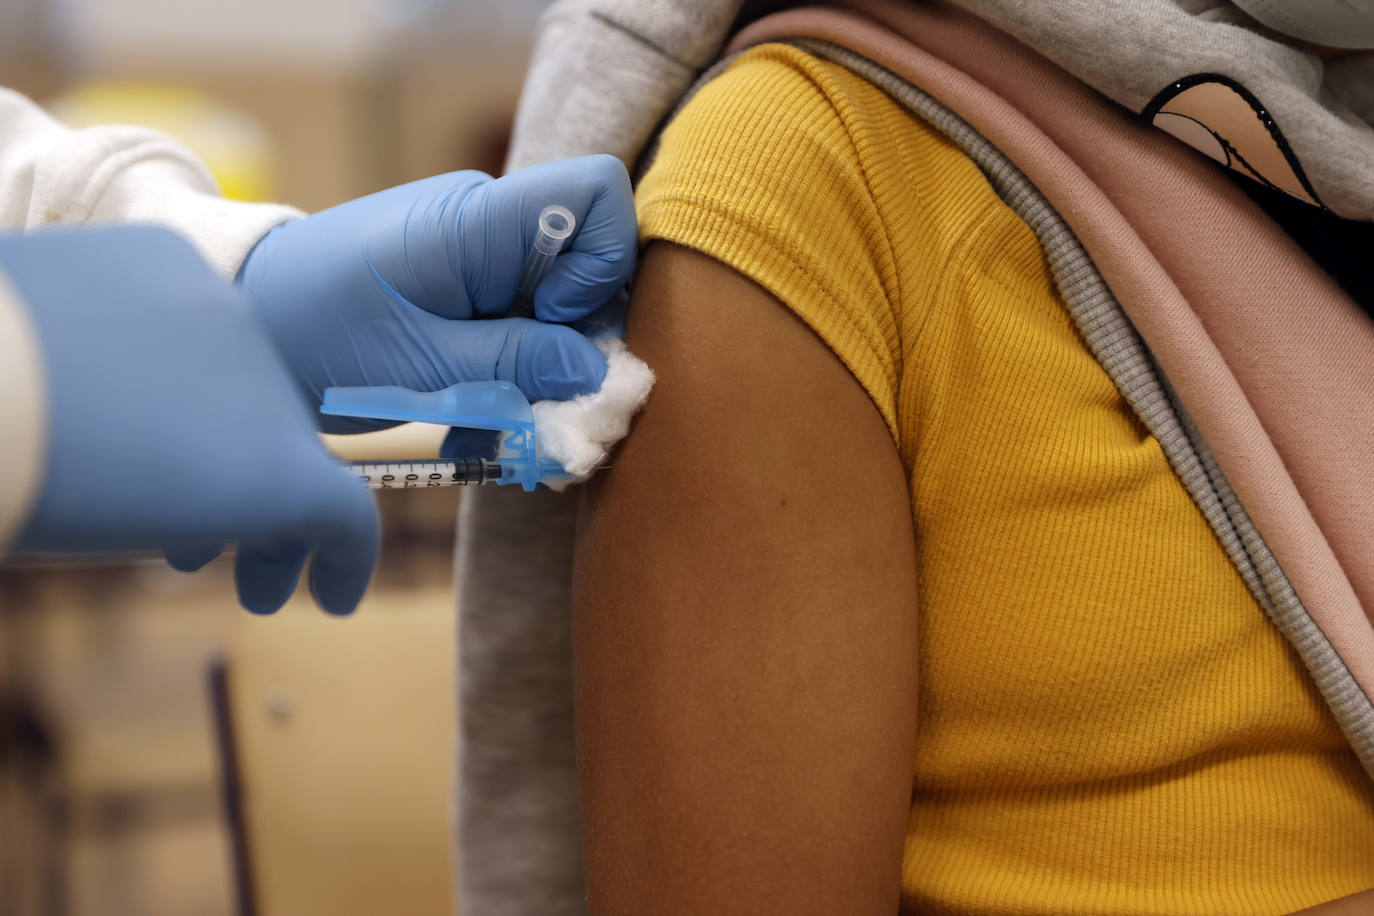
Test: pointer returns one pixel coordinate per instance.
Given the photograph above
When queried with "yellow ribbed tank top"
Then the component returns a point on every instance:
(1109, 723)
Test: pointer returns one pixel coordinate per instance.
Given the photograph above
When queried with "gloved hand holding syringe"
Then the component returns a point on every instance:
(558, 364)
(501, 409)
(181, 415)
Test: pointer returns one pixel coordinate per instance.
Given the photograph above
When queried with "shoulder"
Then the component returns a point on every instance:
(769, 169)
(821, 188)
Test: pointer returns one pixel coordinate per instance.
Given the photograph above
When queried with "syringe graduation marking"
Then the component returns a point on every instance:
(419, 474)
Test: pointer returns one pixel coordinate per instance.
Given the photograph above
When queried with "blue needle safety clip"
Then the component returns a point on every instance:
(497, 406)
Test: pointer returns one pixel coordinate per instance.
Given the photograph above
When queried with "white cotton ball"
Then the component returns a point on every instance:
(580, 433)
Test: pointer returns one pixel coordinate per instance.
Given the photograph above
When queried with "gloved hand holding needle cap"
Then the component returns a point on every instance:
(364, 293)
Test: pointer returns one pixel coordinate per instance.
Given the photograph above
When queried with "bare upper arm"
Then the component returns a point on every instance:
(745, 620)
(1360, 904)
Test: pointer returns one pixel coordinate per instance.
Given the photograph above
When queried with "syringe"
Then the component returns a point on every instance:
(556, 223)
(419, 474)
(499, 407)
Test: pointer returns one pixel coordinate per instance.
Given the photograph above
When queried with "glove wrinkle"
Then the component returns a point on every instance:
(476, 255)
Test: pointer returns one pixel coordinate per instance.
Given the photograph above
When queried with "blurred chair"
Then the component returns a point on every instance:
(33, 812)
(337, 740)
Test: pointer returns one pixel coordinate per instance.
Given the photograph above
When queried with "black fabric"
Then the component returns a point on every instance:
(1344, 248)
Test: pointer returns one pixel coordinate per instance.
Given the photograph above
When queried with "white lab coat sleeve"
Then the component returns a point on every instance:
(53, 175)
(22, 414)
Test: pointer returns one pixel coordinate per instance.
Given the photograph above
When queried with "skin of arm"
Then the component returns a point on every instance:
(745, 632)
(1361, 904)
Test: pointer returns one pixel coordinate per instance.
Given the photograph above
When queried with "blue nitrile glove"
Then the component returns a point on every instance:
(173, 424)
(363, 293)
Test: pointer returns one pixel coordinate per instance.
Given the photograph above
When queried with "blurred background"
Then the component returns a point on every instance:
(162, 751)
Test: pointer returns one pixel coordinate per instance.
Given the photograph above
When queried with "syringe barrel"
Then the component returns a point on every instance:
(425, 473)
(556, 223)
